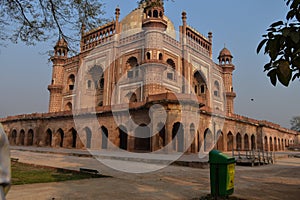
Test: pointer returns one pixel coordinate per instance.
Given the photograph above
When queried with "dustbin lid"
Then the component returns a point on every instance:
(218, 157)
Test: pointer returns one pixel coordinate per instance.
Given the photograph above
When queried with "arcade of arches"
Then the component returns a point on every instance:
(108, 136)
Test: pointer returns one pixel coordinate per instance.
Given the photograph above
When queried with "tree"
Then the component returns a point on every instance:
(282, 44)
(295, 122)
(40, 20)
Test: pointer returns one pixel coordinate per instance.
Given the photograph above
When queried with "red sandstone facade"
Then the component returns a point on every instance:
(124, 61)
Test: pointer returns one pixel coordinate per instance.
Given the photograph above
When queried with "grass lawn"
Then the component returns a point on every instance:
(26, 174)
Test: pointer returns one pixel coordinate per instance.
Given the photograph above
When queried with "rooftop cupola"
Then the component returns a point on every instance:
(225, 57)
(61, 48)
(154, 14)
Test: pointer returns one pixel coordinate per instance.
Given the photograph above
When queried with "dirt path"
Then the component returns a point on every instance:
(278, 181)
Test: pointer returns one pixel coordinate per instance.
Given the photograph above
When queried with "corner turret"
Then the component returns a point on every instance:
(154, 15)
(55, 88)
(225, 61)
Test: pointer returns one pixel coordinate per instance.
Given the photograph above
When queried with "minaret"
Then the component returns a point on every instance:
(225, 61)
(56, 86)
(185, 64)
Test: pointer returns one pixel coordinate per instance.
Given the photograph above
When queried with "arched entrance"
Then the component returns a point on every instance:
(88, 136)
(30, 138)
(104, 136)
(220, 142)
(74, 137)
(48, 141)
(266, 143)
(229, 141)
(178, 137)
(208, 140)
(22, 137)
(238, 141)
(161, 135)
(275, 143)
(13, 140)
(246, 142)
(59, 138)
(123, 137)
(253, 143)
(193, 136)
(198, 141)
(142, 140)
(271, 144)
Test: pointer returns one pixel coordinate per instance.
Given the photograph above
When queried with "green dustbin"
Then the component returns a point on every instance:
(221, 174)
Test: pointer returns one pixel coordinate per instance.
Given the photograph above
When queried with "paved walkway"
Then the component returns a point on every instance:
(110, 157)
(279, 181)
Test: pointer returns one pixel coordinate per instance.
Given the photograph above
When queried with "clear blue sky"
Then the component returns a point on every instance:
(26, 73)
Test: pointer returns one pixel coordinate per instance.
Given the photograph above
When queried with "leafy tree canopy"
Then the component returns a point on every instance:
(295, 122)
(40, 20)
(282, 44)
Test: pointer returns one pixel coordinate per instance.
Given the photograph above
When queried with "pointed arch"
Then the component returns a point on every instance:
(132, 97)
(229, 141)
(71, 82)
(88, 137)
(123, 137)
(74, 137)
(208, 140)
(149, 13)
(271, 143)
(246, 142)
(193, 136)
(132, 62)
(48, 141)
(30, 137)
(220, 141)
(155, 13)
(266, 143)
(253, 142)
(13, 139)
(160, 56)
(61, 137)
(238, 141)
(199, 83)
(161, 135)
(68, 106)
(148, 55)
(178, 137)
(22, 137)
(104, 136)
(171, 63)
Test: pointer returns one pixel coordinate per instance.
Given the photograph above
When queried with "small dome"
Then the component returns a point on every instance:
(62, 43)
(225, 52)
